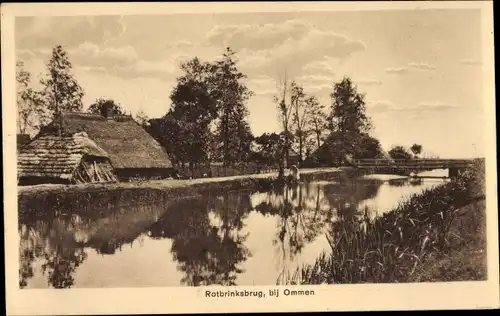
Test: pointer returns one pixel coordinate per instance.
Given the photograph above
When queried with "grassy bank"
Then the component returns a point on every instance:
(438, 235)
(53, 200)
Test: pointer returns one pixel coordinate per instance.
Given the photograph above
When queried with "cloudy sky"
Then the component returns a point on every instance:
(421, 71)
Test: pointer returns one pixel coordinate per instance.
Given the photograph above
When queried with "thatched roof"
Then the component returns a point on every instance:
(23, 139)
(51, 156)
(127, 143)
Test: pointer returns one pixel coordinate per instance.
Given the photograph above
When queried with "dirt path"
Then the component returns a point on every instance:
(158, 184)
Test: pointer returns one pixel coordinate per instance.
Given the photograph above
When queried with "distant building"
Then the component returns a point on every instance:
(131, 151)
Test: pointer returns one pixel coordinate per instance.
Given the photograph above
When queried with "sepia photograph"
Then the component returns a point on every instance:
(267, 154)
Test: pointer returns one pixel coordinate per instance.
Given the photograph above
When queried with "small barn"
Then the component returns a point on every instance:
(133, 152)
(63, 159)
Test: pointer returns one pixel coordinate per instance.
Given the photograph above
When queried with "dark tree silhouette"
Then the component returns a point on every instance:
(416, 149)
(399, 152)
(104, 107)
(348, 117)
(61, 92)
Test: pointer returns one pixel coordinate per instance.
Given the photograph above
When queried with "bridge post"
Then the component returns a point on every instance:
(453, 172)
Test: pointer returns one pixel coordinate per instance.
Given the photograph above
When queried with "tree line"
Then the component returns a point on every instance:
(208, 118)
(59, 92)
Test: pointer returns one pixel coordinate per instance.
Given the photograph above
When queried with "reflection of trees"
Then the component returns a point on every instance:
(60, 259)
(58, 243)
(405, 182)
(29, 251)
(345, 198)
(302, 213)
(60, 265)
(398, 182)
(415, 181)
(207, 241)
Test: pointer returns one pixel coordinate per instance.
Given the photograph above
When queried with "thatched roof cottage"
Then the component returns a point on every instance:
(22, 140)
(63, 159)
(132, 152)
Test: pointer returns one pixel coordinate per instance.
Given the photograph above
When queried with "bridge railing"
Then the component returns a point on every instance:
(413, 162)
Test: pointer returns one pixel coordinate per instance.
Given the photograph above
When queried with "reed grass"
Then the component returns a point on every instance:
(391, 247)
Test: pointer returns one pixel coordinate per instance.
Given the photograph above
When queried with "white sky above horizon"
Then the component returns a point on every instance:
(420, 71)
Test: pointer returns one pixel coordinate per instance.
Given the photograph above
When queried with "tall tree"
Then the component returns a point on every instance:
(316, 119)
(285, 110)
(348, 116)
(104, 107)
(299, 116)
(231, 95)
(185, 129)
(61, 91)
(416, 149)
(31, 111)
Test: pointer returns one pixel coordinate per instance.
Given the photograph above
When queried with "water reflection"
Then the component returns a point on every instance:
(207, 240)
(236, 238)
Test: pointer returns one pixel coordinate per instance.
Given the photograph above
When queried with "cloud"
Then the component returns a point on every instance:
(409, 67)
(90, 54)
(30, 54)
(257, 36)
(368, 82)
(179, 44)
(124, 62)
(262, 85)
(69, 31)
(420, 110)
(397, 71)
(471, 62)
(290, 46)
(435, 106)
(321, 67)
(380, 106)
(313, 79)
(421, 66)
(93, 69)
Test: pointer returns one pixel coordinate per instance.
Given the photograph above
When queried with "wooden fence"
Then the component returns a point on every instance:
(218, 170)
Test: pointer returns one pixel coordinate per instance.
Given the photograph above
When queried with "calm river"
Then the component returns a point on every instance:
(238, 238)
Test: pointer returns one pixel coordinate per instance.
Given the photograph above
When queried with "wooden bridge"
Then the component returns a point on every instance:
(406, 166)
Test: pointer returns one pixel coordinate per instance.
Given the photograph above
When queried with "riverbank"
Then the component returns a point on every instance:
(438, 235)
(39, 200)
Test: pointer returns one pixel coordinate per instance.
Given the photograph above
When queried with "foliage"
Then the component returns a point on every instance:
(399, 152)
(268, 149)
(361, 146)
(61, 91)
(31, 111)
(285, 110)
(207, 119)
(299, 116)
(233, 135)
(416, 149)
(348, 117)
(316, 120)
(368, 147)
(104, 106)
(185, 142)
